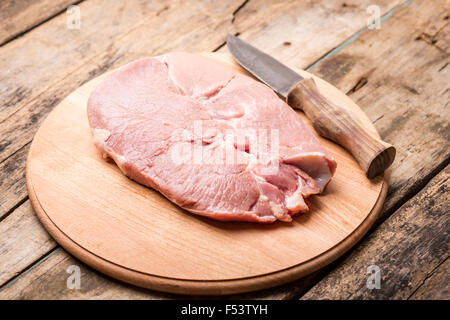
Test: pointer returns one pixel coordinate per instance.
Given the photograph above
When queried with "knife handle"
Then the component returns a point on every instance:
(336, 123)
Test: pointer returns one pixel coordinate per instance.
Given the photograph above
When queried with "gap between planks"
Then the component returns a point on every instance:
(353, 38)
(34, 26)
(32, 265)
(429, 275)
(313, 65)
(321, 274)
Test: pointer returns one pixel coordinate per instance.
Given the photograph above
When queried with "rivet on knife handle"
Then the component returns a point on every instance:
(336, 123)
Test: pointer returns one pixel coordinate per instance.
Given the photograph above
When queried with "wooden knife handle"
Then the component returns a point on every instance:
(336, 123)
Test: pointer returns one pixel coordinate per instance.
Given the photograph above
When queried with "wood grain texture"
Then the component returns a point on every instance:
(37, 90)
(19, 249)
(436, 286)
(12, 181)
(72, 57)
(17, 17)
(125, 236)
(64, 59)
(352, 73)
(48, 280)
(300, 32)
(86, 54)
(406, 247)
(401, 84)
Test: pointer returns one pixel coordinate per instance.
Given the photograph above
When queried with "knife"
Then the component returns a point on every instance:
(330, 120)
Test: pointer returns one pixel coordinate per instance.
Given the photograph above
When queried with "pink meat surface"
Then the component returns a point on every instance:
(213, 141)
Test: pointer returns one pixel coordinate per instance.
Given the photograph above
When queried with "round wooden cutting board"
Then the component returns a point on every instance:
(134, 234)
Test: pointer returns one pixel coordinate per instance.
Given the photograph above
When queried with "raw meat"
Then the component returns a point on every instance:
(213, 141)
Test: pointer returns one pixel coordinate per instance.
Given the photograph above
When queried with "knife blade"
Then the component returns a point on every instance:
(265, 68)
(330, 120)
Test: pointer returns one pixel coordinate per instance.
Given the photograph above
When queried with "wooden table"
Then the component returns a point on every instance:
(399, 75)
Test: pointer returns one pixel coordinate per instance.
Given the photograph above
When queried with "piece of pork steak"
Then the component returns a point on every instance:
(213, 141)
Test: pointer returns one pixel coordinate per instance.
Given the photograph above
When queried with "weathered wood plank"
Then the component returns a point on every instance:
(52, 42)
(347, 70)
(436, 286)
(413, 234)
(260, 28)
(68, 58)
(401, 84)
(72, 57)
(48, 280)
(64, 59)
(18, 249)
(12, 181)
(16, 17)
(406, 248)
(23, 241)
(57, 67)
(300, 32)
(281, 294)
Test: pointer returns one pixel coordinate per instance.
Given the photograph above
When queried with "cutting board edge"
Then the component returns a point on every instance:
(206, 287)
(203, 287)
